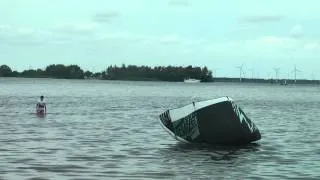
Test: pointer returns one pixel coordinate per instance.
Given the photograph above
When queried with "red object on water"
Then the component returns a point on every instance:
(40, 112)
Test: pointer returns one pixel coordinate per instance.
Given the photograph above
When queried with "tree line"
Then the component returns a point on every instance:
(114, 72)
(161, 73)
(51, 71)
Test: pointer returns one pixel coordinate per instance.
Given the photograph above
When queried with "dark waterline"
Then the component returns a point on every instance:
(110, 130)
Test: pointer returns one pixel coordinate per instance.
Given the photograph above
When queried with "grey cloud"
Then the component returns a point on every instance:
(23, 41)
(262, 18)
(179, 3)
(297, 31)
(10, 35)
(24, 36)
(75, 29)
(106, 17)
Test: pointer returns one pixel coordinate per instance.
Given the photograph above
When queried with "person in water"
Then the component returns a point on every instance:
(41, 106)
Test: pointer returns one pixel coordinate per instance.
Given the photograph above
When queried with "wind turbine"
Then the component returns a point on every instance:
(313, 76)
(277, 73)
(252, 72)
(295, 70)
(241, 71)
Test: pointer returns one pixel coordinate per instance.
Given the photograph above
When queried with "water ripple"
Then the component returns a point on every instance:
(110, 130)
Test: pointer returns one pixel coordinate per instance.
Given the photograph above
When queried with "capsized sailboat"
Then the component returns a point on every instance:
(216, 121)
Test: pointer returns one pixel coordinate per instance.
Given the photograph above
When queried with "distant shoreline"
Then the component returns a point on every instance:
(215, 80)
(266, 81)
(114, 72)
(140, 73)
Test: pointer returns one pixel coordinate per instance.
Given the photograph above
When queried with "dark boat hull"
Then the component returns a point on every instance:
(219, 122)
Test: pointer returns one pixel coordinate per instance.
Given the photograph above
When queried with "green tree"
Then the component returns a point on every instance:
(5, 71)
(66, 72)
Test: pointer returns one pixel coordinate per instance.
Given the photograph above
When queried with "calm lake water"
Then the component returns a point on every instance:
(110, 130)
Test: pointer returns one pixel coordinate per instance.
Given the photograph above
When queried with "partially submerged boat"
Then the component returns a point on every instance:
(216, 121)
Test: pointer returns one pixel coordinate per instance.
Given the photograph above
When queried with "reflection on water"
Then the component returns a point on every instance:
(216, 153)
(110, 130)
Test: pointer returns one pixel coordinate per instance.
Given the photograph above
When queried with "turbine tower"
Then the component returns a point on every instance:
(277, 73)
(312, 76)
(295, 70)
(252, 73)
(241, 71)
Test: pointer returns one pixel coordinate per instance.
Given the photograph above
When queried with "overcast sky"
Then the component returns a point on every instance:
(262, 34)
